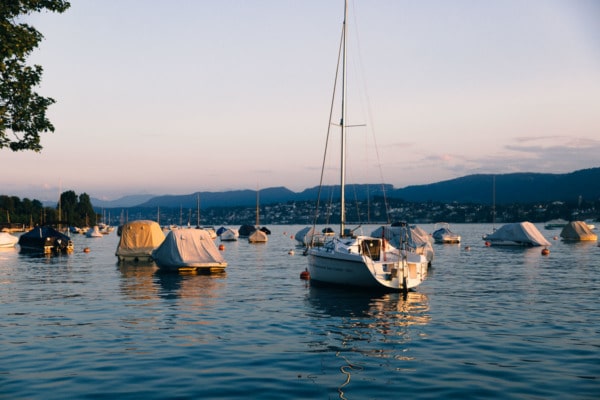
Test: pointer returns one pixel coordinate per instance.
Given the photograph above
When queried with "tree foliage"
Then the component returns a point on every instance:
(71, 210)
(22, 111)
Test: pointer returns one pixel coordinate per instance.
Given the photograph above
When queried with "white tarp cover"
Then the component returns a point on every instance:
(305, 235)
(139, 238)
(188, 248)
(577, 230)
(416, 238)
(519, 232)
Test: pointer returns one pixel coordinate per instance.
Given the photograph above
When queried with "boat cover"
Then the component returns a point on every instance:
(246, 230)
(519, 232)
(229, 234)
(577, 230)
(139, 238)
(305, 235)
(258, 236)
(415, 237)
(43, 236)
(187, 248)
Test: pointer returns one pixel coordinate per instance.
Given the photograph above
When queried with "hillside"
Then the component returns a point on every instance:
(509, 189)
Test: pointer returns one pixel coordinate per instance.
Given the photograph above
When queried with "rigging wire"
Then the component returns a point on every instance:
(335, 82)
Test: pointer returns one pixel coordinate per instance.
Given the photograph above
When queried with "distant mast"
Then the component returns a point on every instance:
(257, 209)
(198, 211)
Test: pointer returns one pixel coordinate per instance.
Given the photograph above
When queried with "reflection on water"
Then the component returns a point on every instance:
(201, 288)
(360, 326)
(145, 281)
(394, 308)
(138, 280)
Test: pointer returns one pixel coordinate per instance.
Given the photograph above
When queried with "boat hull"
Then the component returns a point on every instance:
(348, 266)
(206, 268)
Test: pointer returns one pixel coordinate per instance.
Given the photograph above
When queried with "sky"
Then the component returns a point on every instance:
(156, 97)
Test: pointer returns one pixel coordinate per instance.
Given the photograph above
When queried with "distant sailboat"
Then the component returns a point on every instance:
(363, 261)
(258, 236)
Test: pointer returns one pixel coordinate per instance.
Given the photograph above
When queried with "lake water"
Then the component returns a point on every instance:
(487, 323)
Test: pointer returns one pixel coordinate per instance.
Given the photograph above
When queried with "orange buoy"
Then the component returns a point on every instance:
(488, 244)
(291, 252)
(86, 250)
(555, 237)
(305, 275)
(221, 247)
(545, 252)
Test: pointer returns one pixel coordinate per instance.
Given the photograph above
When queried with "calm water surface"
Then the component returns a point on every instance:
(488, 323)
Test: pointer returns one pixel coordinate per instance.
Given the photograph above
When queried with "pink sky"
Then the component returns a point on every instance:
(212, 96)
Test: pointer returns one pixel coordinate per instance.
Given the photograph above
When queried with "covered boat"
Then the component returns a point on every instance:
(443, 234)
(189, 250)
(258, 236)
(309, 236)
(94, 232)
(229, 235)
(578, 231)
(46, 240)
(138, 240)
(7, 240)
(401, 235)
(246, 230)
(516, 234)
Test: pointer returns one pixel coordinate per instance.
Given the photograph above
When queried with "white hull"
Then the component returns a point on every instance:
(447, 239)
(7, 240)
(444, 235)
(342, 262)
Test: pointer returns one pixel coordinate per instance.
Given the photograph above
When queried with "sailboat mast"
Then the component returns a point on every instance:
(257, 209)
(198, 211)
(343, 128)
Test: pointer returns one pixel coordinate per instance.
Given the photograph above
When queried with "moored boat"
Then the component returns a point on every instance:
(138, 239)
(309, 236)
(516, 234)
(578, 231)
(189, 250)
(94, 232)
(359, 260)
(258, 236)
(7, 240)
(229, 235)
(443, 234)
(45, 239)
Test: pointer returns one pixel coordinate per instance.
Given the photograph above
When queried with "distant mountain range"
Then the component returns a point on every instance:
(512, 188)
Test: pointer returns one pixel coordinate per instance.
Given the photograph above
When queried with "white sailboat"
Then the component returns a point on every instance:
(362, 261)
